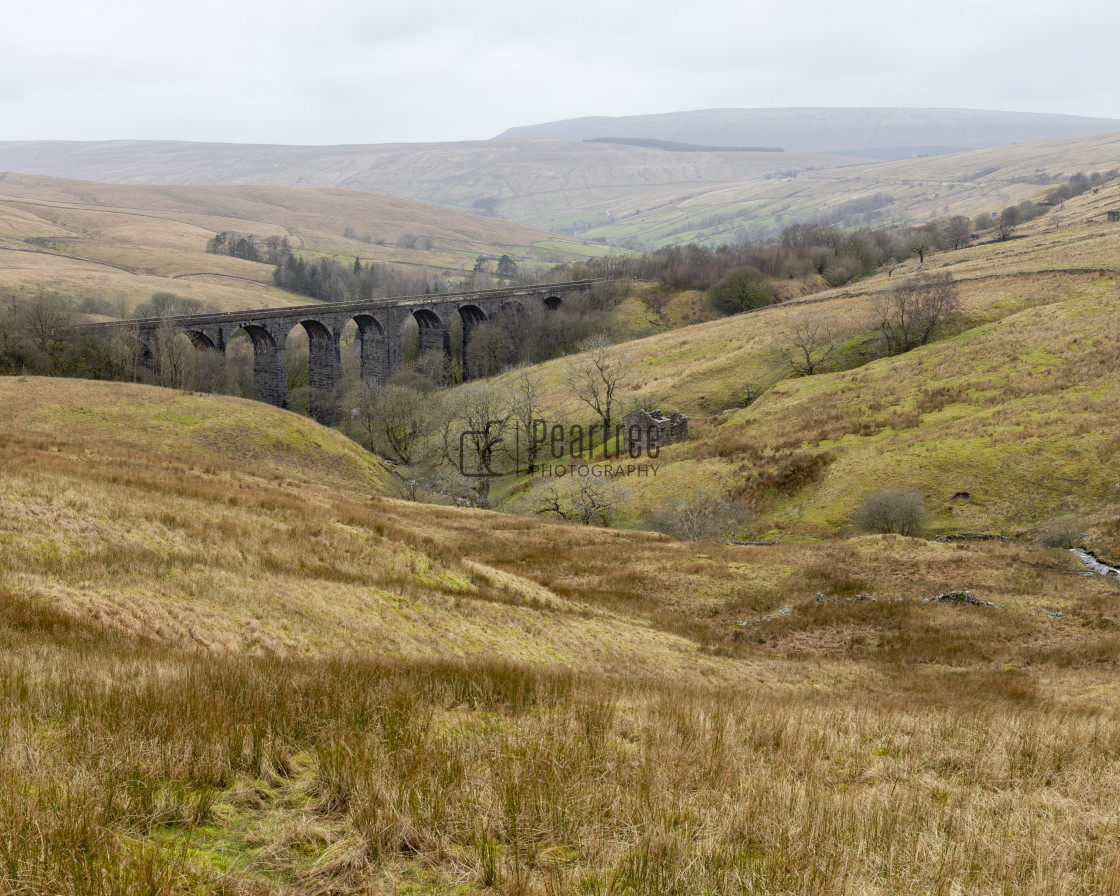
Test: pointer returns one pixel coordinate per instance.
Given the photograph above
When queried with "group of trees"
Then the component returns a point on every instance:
(34, 339)
(240, 245)
(329, 280)
(29, 335)
(1011, 217)
(737, 277)
(912, 312)
(1080, 183)
(513, 338)
(506, 266)
(450, 440)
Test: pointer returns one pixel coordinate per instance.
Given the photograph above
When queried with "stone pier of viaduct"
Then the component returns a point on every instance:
(380, 324)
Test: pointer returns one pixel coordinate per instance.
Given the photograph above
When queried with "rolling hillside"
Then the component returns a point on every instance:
(1016, 411)
(107, 241)
(621, 195)
(230, 665)
(564, 187)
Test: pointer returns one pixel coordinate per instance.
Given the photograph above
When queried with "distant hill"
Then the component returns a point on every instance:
(879, 133)
(120, 243)
(563, 187)
(638, 197)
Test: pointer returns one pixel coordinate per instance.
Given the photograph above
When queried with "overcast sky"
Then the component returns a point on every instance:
(341, 71)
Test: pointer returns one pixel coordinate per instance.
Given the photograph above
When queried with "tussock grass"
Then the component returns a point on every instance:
(227, 672)
(125, 764)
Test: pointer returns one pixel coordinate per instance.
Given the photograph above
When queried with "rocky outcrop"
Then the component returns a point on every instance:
(961, 597)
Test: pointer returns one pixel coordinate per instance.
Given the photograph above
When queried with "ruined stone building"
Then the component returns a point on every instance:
(644, 430)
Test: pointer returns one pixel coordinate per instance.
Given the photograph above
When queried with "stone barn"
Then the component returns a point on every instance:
(642, 429)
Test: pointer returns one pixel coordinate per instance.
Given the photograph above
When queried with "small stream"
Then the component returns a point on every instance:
(1095, 565)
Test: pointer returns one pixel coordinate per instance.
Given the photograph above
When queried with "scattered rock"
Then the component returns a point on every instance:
(777, 614)
(1109, 619)
(1053, 614)
(961, 597)
(757, 543)
(821, 599)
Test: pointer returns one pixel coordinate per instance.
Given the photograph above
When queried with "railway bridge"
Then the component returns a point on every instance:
(380, 328)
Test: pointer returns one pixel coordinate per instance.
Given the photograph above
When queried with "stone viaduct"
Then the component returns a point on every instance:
(380, 324)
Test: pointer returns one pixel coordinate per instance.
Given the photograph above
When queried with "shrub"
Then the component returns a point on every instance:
(891, 511)
(913, 312)
(705, 516)
(743, 289)
(1064, 531)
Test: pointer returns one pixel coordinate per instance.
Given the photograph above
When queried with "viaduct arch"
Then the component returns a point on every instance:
(380, 324)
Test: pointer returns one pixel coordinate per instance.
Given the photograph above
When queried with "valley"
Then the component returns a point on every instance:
(240, 657)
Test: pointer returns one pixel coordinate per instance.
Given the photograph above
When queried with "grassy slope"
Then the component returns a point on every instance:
(250, 673)
(1019, 409)
(105, 240)
(605, 191)
(277, 538)
(227, 523)
(938, 186)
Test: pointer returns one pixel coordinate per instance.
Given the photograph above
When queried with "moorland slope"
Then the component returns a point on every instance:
(623, 195)
(107, 241)
(1004, 424)
(231, 665)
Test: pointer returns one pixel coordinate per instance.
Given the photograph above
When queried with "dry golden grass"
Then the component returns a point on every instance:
(104, 241)
(227, 664)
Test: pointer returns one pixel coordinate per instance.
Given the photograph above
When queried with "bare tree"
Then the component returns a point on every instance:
(525, 402)
(436, 365)
(892, 510)
(477, 418)
(44, 320)
(592, 502)
(171, 351)
(207, 370)
(958, 231)
(912, 312)
(1009, 219)
(919, 241)
(488, 349)
(367, 416)
(402, 420)
(807, 345)
(707, 515)
(597, 376)
(126, 352)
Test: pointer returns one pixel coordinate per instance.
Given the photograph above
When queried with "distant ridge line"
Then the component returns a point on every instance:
(674, 146)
